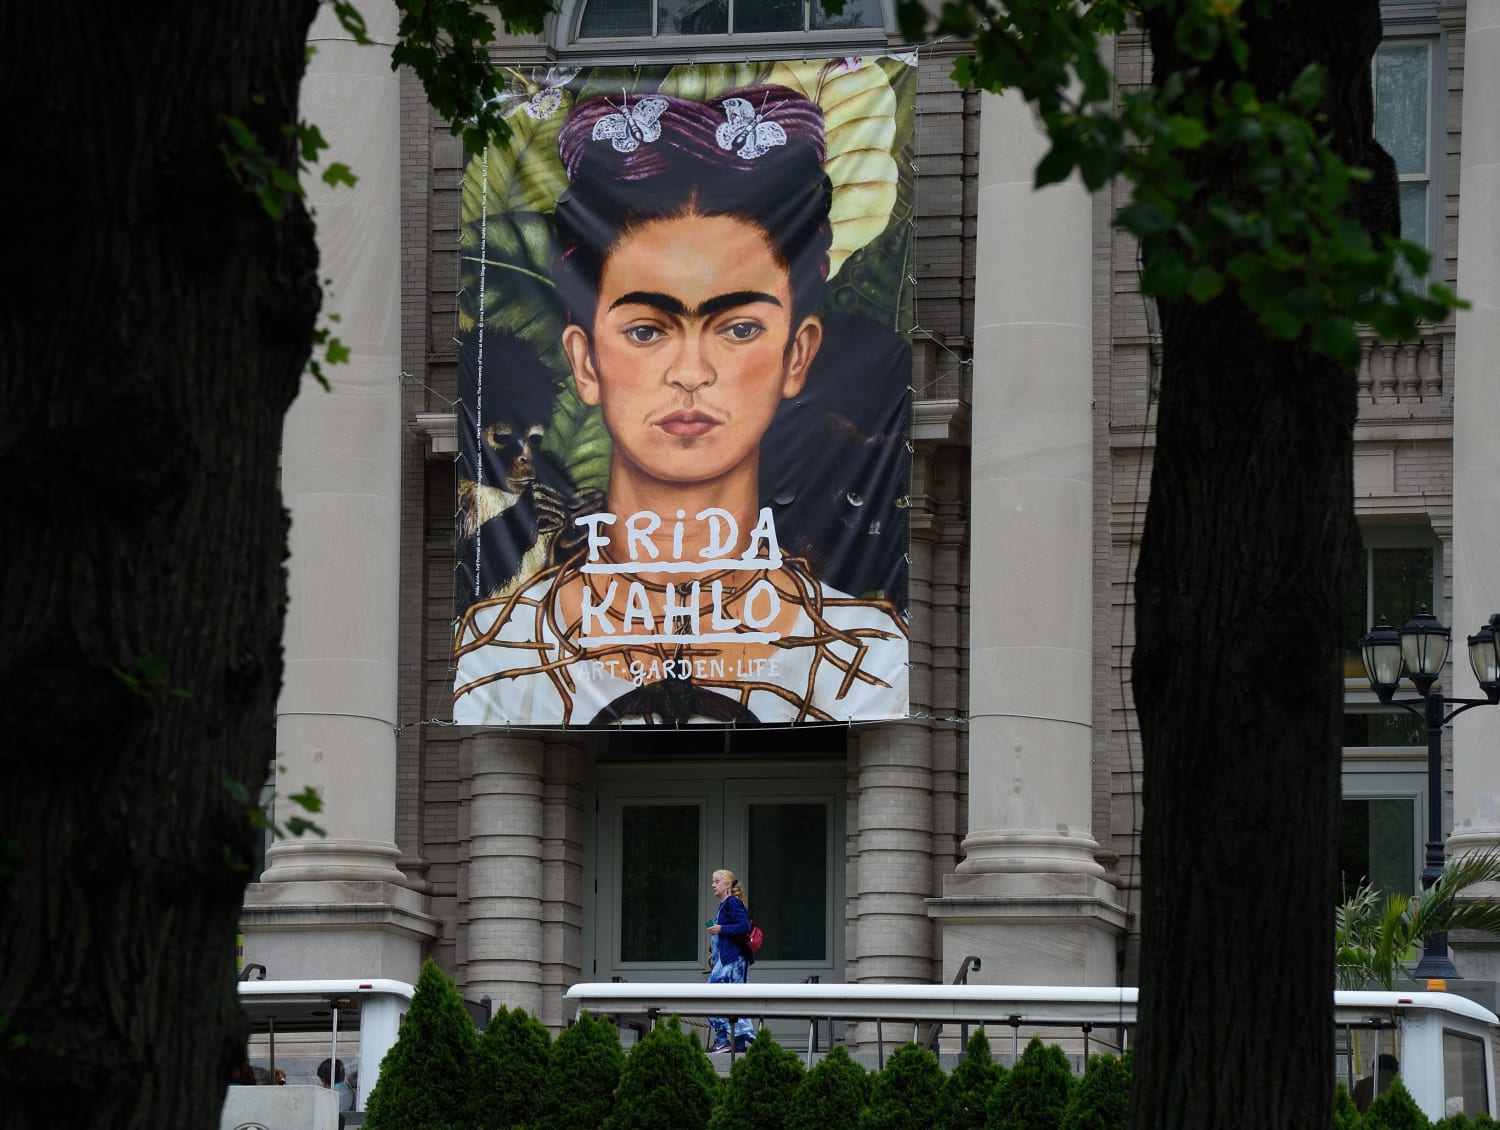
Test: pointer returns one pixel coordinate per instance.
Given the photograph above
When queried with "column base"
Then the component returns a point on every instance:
(308, 860)
(315, 930)
(1036, 929)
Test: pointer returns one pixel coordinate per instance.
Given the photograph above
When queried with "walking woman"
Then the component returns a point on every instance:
(729, 946)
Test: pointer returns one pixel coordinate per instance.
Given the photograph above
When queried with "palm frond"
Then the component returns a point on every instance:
(1376, 935)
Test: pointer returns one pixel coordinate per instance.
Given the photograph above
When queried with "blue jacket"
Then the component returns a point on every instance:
(733, 921)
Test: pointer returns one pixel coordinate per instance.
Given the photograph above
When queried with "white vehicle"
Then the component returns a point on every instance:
(295, 1025)
(1444, 1042)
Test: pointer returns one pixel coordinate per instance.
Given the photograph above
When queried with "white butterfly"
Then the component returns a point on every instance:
(632, 125)
(744, 123)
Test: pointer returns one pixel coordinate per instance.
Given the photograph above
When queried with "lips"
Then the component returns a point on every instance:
(687, 424)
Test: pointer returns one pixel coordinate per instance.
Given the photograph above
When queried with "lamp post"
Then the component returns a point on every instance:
(1417, 650)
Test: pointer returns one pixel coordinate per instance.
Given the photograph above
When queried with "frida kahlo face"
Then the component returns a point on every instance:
(692, 348)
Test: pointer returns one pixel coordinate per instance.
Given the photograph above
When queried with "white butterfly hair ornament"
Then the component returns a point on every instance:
(745, 124)
(632, 125)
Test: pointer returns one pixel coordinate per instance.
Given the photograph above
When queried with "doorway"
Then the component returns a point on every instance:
(660, 831)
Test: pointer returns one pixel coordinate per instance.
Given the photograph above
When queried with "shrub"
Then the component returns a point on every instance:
(1346, 1115)
(761, 1085)
(583, 1073)
(427, 1078)
(966, 1095)
(1101, 1099)
(1034, 1094)
(1481, 1121)
(831, 1095)
(1395, 1110)
(905, 1094)
(667, 1083)
(509, 1069)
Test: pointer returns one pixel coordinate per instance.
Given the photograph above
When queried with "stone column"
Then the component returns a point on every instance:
(340, 470)
(1476, 455)
(504, 922)
(562, 875)
(1029, 899)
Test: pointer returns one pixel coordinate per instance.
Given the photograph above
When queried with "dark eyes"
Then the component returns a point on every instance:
(735, 331)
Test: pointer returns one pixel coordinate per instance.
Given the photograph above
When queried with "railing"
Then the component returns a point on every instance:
(1405, 372)
(639, 1004)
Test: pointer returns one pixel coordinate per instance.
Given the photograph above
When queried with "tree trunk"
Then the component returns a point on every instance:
(156, 325)
(1248, 542)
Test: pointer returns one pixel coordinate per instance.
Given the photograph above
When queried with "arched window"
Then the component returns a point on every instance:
(615, 19)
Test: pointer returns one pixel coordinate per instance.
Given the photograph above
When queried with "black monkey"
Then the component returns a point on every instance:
(513, 500)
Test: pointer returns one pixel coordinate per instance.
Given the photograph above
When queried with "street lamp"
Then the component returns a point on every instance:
(1418, 650)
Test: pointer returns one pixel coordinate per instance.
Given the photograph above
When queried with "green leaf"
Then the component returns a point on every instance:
(1335, 337)
(1186, 132)
(1205, 284)
(1058, 163)
(338, 173)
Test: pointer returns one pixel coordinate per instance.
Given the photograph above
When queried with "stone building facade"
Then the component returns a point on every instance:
(1001, 820)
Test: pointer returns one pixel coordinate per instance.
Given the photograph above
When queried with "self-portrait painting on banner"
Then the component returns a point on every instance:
(684, 378)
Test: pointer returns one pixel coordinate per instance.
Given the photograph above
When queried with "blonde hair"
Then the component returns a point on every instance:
(734, 885)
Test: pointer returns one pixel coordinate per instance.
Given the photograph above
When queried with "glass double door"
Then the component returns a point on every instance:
(659, 837)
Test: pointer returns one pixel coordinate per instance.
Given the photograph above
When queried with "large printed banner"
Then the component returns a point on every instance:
(684, 397)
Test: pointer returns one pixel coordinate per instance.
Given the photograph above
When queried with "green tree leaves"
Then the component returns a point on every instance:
(1280, 239)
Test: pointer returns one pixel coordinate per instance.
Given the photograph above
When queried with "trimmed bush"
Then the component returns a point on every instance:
(1396, 1110)
(1101, 1099)
(831, 1095)
(906, 1094)
(966, 1094)
(586, 1062)
(1346, 1115)
(1481, 1121)
(1035, 1092)
(667, 1084)
(508, 1072)
(761, 1085)
(427, 1079)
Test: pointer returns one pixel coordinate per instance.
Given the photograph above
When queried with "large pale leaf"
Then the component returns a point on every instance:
(525, 175)
(859, 119)
(700, 83)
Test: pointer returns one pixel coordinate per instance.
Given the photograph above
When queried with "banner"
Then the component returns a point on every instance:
(684, 414)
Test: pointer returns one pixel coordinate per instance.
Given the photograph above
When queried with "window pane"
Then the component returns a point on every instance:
(789, 880)
(1414, 211)
(857, 13)
(1396, 728)
(1402, 582)
(1357, 620)
(602, 18)
(1463, 1075)
(1401, 105)
(694, 17)
(1376, 845)
(768, 15)
(659, 887)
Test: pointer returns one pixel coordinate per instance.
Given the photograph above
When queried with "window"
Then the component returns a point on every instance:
(1404, 127)
(1375, 844)
(1381, 820)
(1384, 778)
(1399, 572)
(616, 18)
(1465, 1089)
